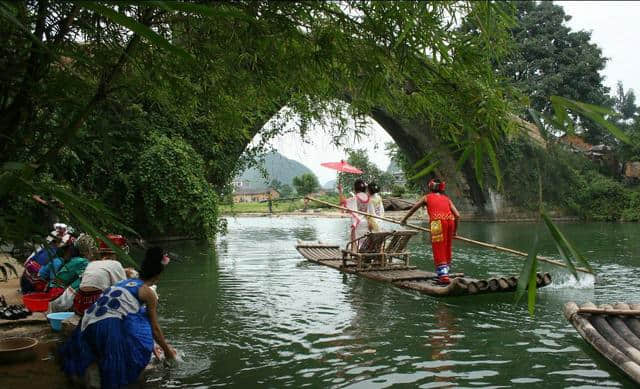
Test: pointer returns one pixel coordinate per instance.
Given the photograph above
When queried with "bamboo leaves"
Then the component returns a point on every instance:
(562, 105)
(136, 27)
(527, 279)
(7, 266)
(565, 247)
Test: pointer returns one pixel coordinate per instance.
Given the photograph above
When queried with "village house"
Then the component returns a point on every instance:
(254, 195)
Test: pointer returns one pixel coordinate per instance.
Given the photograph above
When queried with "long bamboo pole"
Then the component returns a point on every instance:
(624, 312)
(458, 237)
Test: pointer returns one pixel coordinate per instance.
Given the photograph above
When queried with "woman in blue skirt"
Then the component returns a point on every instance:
(118, 331)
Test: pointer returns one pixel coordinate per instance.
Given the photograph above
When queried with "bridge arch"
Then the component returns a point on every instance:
(416, 139)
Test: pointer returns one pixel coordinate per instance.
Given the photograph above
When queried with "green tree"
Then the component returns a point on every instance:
(285, 191)
(627, 118)
(90, 88)
(625, 102)
(370, 172)
(548, 59)
(306, 184)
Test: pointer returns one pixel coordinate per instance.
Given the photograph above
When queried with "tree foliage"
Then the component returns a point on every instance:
(370, 172)
(92, 91)
(548, 59)
(306, 184)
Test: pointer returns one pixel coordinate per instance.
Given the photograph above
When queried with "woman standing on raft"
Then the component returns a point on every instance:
(443, 223)
(359, 202)
(117, 332)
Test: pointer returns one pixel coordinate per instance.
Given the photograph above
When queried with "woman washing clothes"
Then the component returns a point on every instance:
(30, 281)
(118, 331)
(71, 273)
(63, 270)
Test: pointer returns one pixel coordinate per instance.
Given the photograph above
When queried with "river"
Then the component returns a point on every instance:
(252, 312)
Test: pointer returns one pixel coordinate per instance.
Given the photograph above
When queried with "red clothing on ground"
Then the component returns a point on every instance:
(442, 226)
(84, 300)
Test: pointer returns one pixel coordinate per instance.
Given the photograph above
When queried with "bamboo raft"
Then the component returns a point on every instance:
(409, 277)
(613, 330)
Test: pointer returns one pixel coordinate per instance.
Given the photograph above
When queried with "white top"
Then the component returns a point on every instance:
(101, 274)
(360, 202)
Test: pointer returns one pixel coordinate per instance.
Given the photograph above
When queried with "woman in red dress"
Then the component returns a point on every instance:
(443, 223)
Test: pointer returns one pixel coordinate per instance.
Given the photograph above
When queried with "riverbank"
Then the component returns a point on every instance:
(419, 215)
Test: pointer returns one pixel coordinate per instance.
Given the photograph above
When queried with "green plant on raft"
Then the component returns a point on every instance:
(562, 108)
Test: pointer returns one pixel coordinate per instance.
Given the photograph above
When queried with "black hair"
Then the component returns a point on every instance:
(70, 249)
(152, 264)
(359, 185)
(373, 188)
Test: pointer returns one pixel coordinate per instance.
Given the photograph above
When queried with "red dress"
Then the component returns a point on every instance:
(442, 226)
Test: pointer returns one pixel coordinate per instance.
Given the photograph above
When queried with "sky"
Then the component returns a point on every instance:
(615, 27)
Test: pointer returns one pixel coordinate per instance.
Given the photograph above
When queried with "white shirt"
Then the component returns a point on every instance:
(101, 274)
(360, 202)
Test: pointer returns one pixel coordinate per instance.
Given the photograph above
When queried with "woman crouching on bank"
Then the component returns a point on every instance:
(117, 332)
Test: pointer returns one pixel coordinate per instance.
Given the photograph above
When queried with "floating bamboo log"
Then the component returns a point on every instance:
(458, 237)
(614, 331)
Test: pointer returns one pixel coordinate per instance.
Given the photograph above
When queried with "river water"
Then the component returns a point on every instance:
(253, 312)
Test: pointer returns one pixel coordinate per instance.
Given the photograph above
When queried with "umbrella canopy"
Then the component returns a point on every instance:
(341, 166)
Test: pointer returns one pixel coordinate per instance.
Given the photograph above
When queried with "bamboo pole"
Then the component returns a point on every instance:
(608, 311)
(458, 237)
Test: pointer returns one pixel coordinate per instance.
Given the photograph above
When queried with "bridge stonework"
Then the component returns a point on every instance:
(416, 140)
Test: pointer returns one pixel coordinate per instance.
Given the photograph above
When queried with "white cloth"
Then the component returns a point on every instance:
(360, 202)
(64, 302)
(126, 304)
(102, 274)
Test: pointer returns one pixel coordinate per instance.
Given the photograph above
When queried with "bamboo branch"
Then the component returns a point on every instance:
(476, 242)
(100, 94)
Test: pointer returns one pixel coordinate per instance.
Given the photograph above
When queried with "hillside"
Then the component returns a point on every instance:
(277, 166)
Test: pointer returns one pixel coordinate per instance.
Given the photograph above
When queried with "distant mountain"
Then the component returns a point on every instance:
(277, 166)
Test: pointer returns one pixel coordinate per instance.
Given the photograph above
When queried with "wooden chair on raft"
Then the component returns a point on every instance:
(378, 249)
(397, 245)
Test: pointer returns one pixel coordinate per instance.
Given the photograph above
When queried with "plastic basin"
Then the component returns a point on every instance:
(17, 349)
(56, 318)
(36, 302)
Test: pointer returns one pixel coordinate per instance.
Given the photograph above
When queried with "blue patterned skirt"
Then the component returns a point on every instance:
(121, 347)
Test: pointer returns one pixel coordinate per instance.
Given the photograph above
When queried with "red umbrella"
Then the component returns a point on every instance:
(342, 166)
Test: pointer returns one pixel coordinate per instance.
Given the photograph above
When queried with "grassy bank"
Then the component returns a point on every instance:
(279, 206)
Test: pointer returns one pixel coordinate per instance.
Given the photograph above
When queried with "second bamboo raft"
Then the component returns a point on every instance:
(613, 330)
(409, 277)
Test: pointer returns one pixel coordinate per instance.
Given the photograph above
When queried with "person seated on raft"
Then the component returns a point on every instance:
(117, 332)
(30, 281)
(359, 202)
(376, 203)
(72, 272)
(100, 274)
(443, 223)
(64, 269)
